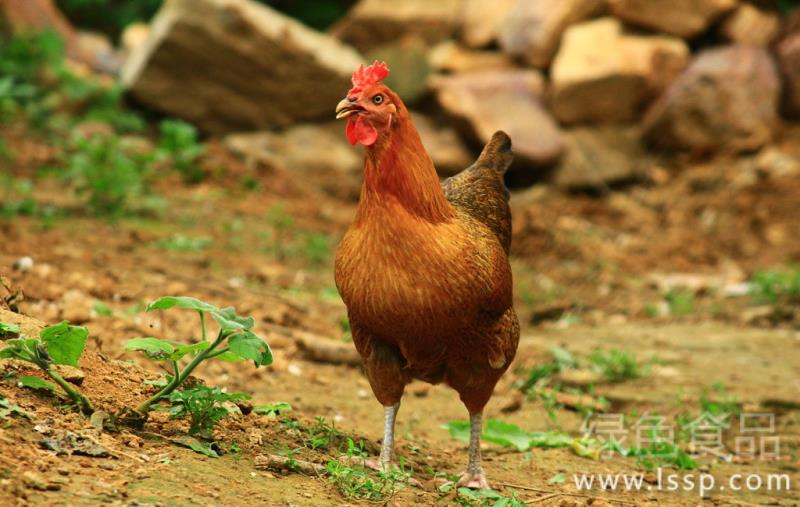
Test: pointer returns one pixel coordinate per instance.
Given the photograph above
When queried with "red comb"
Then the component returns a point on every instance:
(364, 77)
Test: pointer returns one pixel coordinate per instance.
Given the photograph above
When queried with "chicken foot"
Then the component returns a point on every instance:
(474, 477)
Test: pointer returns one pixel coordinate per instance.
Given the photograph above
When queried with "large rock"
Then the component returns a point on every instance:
(448, 152)
(449, 56)
(482, 21)
(233, 65)
(601, 74)
(684, 18)
(508, 100)
(750, 25)
(788, 53)
(533, 29)
(726, 99)
(372, 23)
(319, 152)
(600, 156)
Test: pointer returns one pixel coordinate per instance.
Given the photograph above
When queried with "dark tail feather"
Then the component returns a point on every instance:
(497, 153)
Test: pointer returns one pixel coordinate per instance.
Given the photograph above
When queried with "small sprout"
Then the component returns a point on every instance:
(680, 303)
(205, 406)
(273, 409)
(615, 365)
(559, 478)
(8, 331)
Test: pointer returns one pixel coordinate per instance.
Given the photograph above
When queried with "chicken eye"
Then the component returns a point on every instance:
(377, 99)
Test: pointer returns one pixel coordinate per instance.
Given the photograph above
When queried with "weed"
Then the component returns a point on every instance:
(17, 198)
(721, 403)
(181, 243)
(205, 406)
(317, 248)
(777, 288)
(235, 341)
(273, 409)
(57, 344)
(178, 146)
(113, 178)
(615, 365)
(355, 482)
(680, 302)
(466, 497)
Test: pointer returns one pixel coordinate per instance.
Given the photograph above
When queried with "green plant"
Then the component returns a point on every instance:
(113, 178)
(511, 435)
(205, 406)
(179, 147)
(17, 198)
(355, 482)
(273, 409)
(235, 341)
(777, 288)
(466, 497)
(57, 344)
(615, 365)
(562, 360)
(680, 302)
(181, 243)
(7, 408)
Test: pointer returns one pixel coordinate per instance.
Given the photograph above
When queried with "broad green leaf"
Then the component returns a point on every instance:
(459, 430)
(550, 439)
(506, 434)
(65, 343)
(182, 350)
(186, 302)
(229, 357)
(230, 322)
(250, 346)
(152, 346)
(36, 383)
(9, 330)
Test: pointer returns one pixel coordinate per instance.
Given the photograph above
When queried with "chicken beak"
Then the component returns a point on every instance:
(347, 107)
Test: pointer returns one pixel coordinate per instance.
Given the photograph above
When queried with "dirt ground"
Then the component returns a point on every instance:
(591, 273)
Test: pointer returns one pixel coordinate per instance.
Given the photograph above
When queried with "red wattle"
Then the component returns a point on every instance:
(359, 131)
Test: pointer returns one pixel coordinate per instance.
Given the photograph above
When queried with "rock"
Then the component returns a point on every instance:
(35, 481)
(750, 25)
(601, 74)
(23, 264)
(372, 23)
(100, 52)
(503, 100)
(482, 21)
(533, 29)
(451, 57)
(76, 307)
(134, 36)
(684, 18)
(408, 60)
(235, 65)
(775, 163)
(788, 53)
(726, 99)
(442, 143)
(316, 151)
(71, 374)
(598, 156)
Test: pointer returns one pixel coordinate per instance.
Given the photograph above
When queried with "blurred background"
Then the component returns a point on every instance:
(189, 147)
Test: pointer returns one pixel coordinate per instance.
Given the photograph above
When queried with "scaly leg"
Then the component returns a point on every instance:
(474, 477)
(387, 449)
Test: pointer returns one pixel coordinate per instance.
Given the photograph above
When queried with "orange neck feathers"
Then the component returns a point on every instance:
(398, 167)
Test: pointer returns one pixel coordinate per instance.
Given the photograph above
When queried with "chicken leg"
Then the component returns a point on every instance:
(387, 449)
(474, 477)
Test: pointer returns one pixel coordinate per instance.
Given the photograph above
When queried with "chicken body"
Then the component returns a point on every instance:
(425, 276)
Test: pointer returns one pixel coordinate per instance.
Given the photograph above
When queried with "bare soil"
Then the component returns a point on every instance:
(583, 267)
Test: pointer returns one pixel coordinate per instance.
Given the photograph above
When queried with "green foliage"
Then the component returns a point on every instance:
(657, 454)
(466, 497)
(179, 147)
(9, 331)
(718, 402)
(777, 288)
(57, 344)
(562, 360)
(205, 407)
(680, 302)
(615, 365)
(510, 435)
(358, 483)
(235, 341)
(108, 16)
(32, 382)
(182, 243)
(113, 178)
(273, 409)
